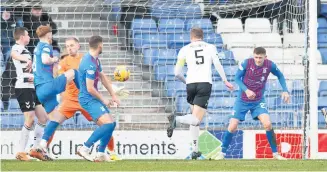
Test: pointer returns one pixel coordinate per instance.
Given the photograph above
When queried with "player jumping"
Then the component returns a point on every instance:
(199, 57)
(26, 96)
(47, 87)
(251, 77)
(90, 71)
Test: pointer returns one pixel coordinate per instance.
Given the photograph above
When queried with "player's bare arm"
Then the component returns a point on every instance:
(106, 82)
(94, 92)
(46, 59)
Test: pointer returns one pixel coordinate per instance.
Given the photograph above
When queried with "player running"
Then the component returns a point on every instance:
(26, 96)
(251, 77)
(199, 57)
(90, 71)
(47, 87)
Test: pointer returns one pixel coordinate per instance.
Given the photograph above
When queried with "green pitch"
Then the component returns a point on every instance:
(167, 165)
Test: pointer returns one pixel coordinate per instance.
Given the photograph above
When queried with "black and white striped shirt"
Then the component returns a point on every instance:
(22, 75)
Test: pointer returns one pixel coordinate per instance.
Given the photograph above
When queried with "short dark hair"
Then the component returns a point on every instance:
(19, 31)
(37, 7)
(72, 38)
(95, 41)
(197, 32)
(259, 50)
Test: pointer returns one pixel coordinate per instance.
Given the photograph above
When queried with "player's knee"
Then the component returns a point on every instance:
(29, 118)
(267, 125)
(233, 123)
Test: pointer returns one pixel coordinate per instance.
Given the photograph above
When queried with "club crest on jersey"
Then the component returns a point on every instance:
(262, 78)
(264, 70)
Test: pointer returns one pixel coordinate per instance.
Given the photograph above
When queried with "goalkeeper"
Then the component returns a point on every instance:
(69, 99)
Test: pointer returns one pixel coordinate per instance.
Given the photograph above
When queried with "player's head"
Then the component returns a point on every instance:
(259, 55)
(44, 33)
(96, 44)
(196, 34)
(36, 10)
(72, 46)
(21, 35)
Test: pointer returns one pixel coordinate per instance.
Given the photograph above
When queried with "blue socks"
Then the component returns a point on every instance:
(272, 140)
(104, 133)
(76, 80)
(105, 139)
(49, 130)
(226, 141)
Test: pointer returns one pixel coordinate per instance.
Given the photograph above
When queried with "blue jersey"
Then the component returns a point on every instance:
(90, 68)
(253, 77)
(43, 73)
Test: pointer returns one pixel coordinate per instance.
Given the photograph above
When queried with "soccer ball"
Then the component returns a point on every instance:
(121, 73)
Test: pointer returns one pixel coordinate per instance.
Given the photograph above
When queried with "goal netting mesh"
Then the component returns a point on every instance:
(146, 36)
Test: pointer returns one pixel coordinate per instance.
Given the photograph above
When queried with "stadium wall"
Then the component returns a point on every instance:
(248, 144)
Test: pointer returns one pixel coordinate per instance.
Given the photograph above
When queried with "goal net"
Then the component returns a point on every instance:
(146, 36)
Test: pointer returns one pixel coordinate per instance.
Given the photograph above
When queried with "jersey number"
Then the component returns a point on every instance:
(199, 59)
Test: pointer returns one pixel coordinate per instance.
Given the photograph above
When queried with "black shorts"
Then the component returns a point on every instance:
(27, 99)
(199, 93)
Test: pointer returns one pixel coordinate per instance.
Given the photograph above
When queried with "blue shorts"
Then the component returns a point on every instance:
(47, 92)
(241, 108)
(95, 108)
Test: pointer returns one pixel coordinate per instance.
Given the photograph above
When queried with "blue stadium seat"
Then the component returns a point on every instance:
(204, 24)
(281, 119)
(226, 57)
(322, 102)
(165, 72)
(213, 38)
(323, 52)
(273, 88)
(171, 26)
(223, 103)
(216, 119)
(173, 87)
(192, 11)
(83, 123)
(298, 88)
(181, 105)
(149, 56)
(230, 70)
(144, 26)
(324, 10)
(14, 106)
(12, 121)
(322, 40)
(278, 104)
(321, 120)
(177, 41)
(323, 89)
(322, 25)
(166, 57)
(144, 41)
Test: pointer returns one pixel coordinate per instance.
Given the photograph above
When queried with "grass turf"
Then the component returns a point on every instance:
(166, 165)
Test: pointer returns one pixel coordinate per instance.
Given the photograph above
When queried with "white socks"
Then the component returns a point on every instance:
(24, 138)
(195, 130)
(188, 119)
(38, 133)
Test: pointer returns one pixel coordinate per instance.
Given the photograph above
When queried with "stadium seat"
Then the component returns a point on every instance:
(294, 40)
(226, 57)
(322, 40)
(14, 106)
(213, 38)
(277, 56)
(322, 25)
(298, 88)
(143, 26)
(257, 25)
(290, 71)
(280, 119)
(221, 103)
(204, 24)
(267, 40)
(323, 89)
(323, 53)
(171, 26)
(191, 11)
(321, 121)
(241, 54)
(292, 55)
(69, 123)
(273, 87)
(324, 10)
(229, 26)
(177, 41)
(322, 102)
(165, 72)
(173, 87)
(239, 40)
(83, 123)
(143, 41)
(149, 56)
(12, 121)
(166, 57)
